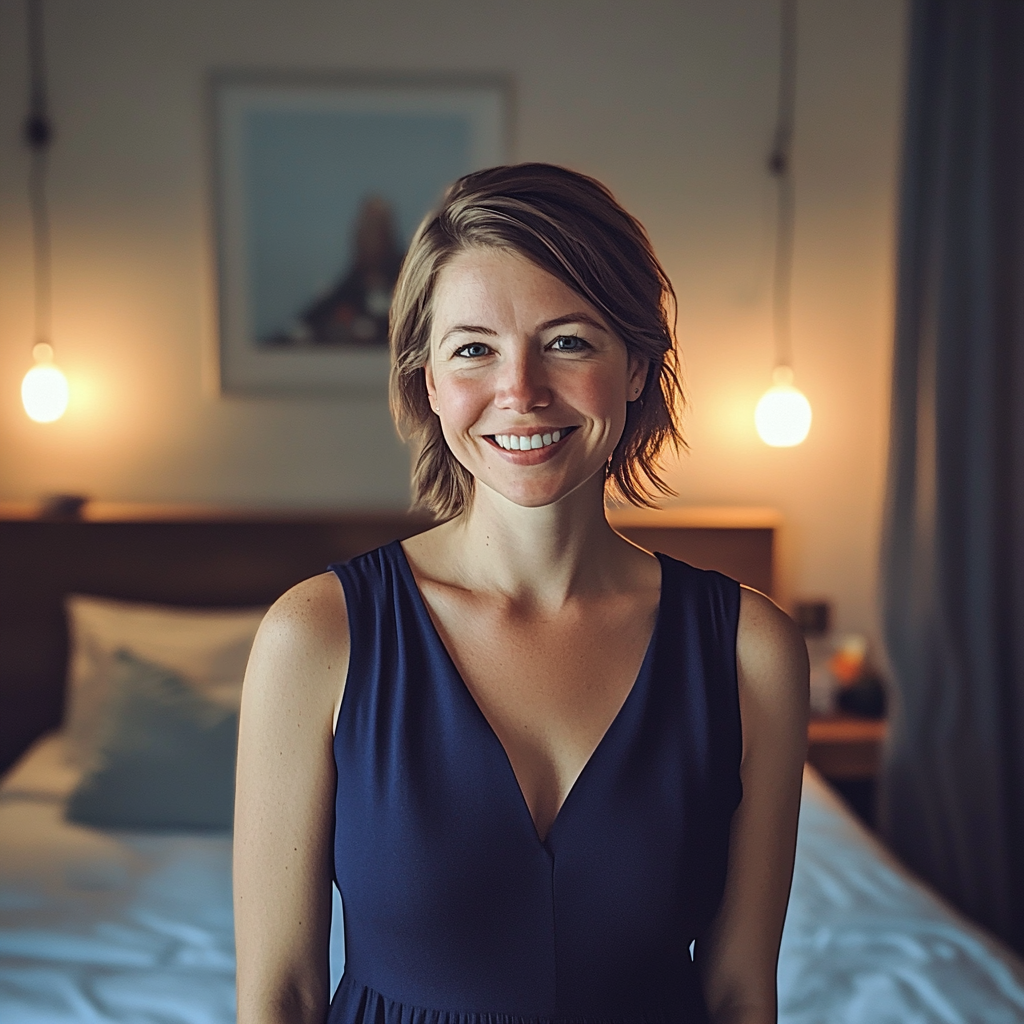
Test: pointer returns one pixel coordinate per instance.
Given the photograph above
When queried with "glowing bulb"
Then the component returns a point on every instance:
(44, 391)
(783, 416)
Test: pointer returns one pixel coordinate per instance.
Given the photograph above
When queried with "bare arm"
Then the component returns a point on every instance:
(738, 959)
(284, 812)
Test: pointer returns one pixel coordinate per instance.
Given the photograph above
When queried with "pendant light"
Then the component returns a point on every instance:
(44, 391)
(783, 415)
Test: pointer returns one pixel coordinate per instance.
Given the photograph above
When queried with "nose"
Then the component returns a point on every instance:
(522, 386)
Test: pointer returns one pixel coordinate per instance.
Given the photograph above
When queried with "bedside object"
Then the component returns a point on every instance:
(62, 506)
(866, 698)
(843, 747)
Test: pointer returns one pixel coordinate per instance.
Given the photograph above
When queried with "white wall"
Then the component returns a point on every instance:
(669, 102)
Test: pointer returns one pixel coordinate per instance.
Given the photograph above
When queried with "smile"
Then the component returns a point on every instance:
(527, 442)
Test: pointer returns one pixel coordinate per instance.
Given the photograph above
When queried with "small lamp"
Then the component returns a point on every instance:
(44, 391)
(783, 415)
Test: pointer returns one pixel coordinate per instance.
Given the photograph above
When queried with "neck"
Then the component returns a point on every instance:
(540, 556)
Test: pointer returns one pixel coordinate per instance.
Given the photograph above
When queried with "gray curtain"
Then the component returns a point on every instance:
(953, 553)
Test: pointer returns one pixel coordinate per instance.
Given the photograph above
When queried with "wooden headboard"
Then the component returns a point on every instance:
(206, 557)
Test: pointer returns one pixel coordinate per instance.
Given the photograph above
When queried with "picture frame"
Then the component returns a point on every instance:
(319, 183)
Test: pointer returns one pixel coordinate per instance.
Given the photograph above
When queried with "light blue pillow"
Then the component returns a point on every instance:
(166, 757)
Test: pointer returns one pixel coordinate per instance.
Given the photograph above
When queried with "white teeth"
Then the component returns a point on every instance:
(520, 443)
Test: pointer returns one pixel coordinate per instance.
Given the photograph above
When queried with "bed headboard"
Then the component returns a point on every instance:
(207, 557)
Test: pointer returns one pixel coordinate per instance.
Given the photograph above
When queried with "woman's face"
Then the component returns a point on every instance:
(528, 380)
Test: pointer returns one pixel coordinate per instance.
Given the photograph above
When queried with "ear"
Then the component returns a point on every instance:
(428, 380)
(638, 367)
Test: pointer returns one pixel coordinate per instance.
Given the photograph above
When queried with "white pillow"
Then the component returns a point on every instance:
(207, 647)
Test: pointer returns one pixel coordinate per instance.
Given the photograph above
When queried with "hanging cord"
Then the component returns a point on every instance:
(780, 167)
(38, 133)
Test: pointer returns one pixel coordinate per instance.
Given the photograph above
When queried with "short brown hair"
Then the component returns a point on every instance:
(571, 226)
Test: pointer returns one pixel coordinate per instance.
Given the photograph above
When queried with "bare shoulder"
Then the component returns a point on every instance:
(302, 647)
(312, 611)
(769, 647)
(771, 659)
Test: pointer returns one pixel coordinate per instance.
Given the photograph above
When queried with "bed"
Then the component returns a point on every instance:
(134, 925)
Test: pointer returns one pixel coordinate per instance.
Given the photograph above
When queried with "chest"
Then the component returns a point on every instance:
(549, 685)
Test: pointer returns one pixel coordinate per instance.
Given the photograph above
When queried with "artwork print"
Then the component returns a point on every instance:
(320, 186)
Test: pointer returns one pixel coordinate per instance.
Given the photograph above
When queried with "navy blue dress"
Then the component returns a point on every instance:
(455, 911)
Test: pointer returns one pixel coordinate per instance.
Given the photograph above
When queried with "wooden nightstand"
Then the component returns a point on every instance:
(848, 752)
(844, 747)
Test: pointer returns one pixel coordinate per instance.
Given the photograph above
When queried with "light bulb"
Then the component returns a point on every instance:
(783, 416)
(44, 391)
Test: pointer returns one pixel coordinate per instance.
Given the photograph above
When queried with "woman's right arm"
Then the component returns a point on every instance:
(284, 806)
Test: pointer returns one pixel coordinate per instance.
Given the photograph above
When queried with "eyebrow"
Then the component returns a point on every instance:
(467, 329)
(558, 321)
(574, 318)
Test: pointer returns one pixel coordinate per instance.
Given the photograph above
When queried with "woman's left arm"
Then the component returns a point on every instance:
(738, 958)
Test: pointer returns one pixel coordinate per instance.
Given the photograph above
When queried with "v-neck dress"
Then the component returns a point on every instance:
(455, 911)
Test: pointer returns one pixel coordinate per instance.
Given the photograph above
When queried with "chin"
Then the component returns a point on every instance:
(534, 496)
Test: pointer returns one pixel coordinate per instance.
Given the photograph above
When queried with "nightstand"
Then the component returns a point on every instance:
(848, 752)
(844, 747)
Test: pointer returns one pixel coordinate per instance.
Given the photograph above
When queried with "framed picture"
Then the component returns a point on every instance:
(319, 186)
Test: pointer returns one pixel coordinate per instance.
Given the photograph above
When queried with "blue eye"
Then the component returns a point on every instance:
(473, 350)
(569, 343)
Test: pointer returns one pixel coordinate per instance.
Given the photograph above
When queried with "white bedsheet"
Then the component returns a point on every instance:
(125, 928)
(98, 926)
(865, 943)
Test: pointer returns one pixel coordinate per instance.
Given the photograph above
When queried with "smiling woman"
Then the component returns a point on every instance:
(570, 227)
(541, 763)
(525, 364)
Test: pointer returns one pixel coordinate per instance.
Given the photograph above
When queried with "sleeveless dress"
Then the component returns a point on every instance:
(455, 911)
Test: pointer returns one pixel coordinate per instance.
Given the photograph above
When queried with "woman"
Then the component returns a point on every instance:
(515, 739)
